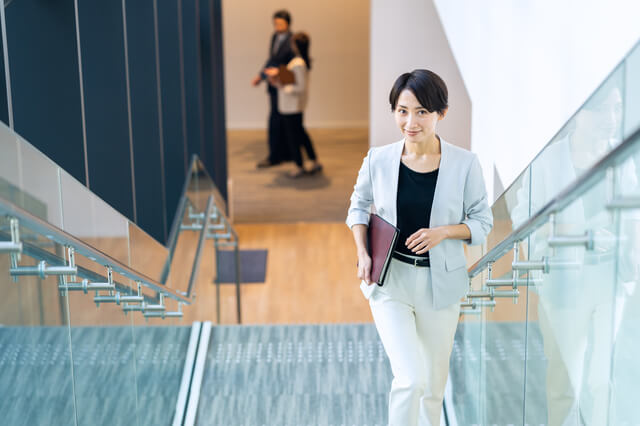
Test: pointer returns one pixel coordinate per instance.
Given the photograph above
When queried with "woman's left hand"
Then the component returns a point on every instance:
(425, 239)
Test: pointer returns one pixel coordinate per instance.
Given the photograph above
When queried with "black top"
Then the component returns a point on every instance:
(415, 197)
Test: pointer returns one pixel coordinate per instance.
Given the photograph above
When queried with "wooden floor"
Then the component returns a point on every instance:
(310, 278)
(269, 196)
(310, 275)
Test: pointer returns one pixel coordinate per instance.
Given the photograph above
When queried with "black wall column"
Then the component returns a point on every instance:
(145, 120)
(175, 151)
(45, 81)
(106, 109)
(192, 76)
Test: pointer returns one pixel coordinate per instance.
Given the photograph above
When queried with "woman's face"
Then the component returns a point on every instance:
(414, 121)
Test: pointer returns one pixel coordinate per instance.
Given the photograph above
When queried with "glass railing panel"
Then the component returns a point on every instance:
(39, 179)
(104, 362)
(161, 349)
(9, 165)
(36, 381)
(201, 186)
(632, 92)
(183, 254)
(148, 256)
(93, 221)
(102, 335)
(503, 348)
(510, 210)
(588, 136)
(570, 317)
(29, 179)
(465, 368)
(625, 371)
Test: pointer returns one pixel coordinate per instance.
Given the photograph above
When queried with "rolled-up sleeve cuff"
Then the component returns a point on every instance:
(357, 218)
(477, 234)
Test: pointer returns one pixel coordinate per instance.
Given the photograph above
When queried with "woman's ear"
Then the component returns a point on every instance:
(444, 112)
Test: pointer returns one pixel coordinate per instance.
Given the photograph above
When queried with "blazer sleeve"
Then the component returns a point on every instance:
(477, 214)
(362, 196)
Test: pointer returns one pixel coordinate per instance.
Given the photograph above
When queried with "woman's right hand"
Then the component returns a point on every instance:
(364, 268)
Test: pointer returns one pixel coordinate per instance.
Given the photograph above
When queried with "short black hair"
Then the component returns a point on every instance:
(427, 87)
(283, 14)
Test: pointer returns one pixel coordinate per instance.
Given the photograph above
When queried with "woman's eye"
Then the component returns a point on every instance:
(422, 112)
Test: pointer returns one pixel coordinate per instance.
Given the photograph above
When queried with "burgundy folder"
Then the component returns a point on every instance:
(381, 240)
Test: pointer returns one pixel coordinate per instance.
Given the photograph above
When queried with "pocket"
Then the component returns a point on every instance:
(452, 263)
(367, 290)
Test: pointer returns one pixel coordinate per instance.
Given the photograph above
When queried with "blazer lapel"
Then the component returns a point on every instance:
(394, 167)
(443, 171)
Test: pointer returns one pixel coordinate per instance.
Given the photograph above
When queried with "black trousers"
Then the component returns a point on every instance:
(297, 137)
(278, 147)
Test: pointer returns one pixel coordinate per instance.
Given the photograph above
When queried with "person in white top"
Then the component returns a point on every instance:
(292, 100)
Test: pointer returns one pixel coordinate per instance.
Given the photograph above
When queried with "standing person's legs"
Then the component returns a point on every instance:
(436, 330)
(292, 136)
(393, 312)
(277, 149)
(305, 140)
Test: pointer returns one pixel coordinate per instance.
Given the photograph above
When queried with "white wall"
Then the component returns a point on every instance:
(529, 65)
(405, 35)
(339, 31)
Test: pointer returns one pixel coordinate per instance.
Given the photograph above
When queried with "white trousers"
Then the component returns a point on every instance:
(417, 339)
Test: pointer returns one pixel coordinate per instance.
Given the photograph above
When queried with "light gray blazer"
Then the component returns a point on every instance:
(292, 98)
(460, 197)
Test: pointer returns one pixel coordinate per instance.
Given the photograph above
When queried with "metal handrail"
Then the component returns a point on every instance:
(65, 239)
(179, 216)
(201, 239)
(36, 252)
(177, 221)
(558, 203)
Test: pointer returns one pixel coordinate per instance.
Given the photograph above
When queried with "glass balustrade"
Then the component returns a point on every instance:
(566, 237)
(79, 348)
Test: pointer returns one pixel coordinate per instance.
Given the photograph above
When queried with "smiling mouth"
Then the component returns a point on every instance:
(412, 132)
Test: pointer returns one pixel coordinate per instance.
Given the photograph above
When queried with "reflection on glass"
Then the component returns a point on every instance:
(9, 174)
(625, 371)
(93, 221)
(632, 88)
(39, 180)
(573, 316)
(511, 209)
(591, 133)
(147, 255)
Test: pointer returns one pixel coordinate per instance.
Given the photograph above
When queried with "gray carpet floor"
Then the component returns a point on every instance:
(273, 375)
(295, 375)
(114, 381)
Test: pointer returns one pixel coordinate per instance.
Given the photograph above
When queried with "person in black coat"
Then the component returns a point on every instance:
(280, 53)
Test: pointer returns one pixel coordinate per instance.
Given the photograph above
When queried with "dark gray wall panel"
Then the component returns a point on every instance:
(45, 82)
(4, 108)
(171, 98)
(214, 129)
(219, 162)
(192, 76)
(206, 62)
(147, 147)
(103, 67)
